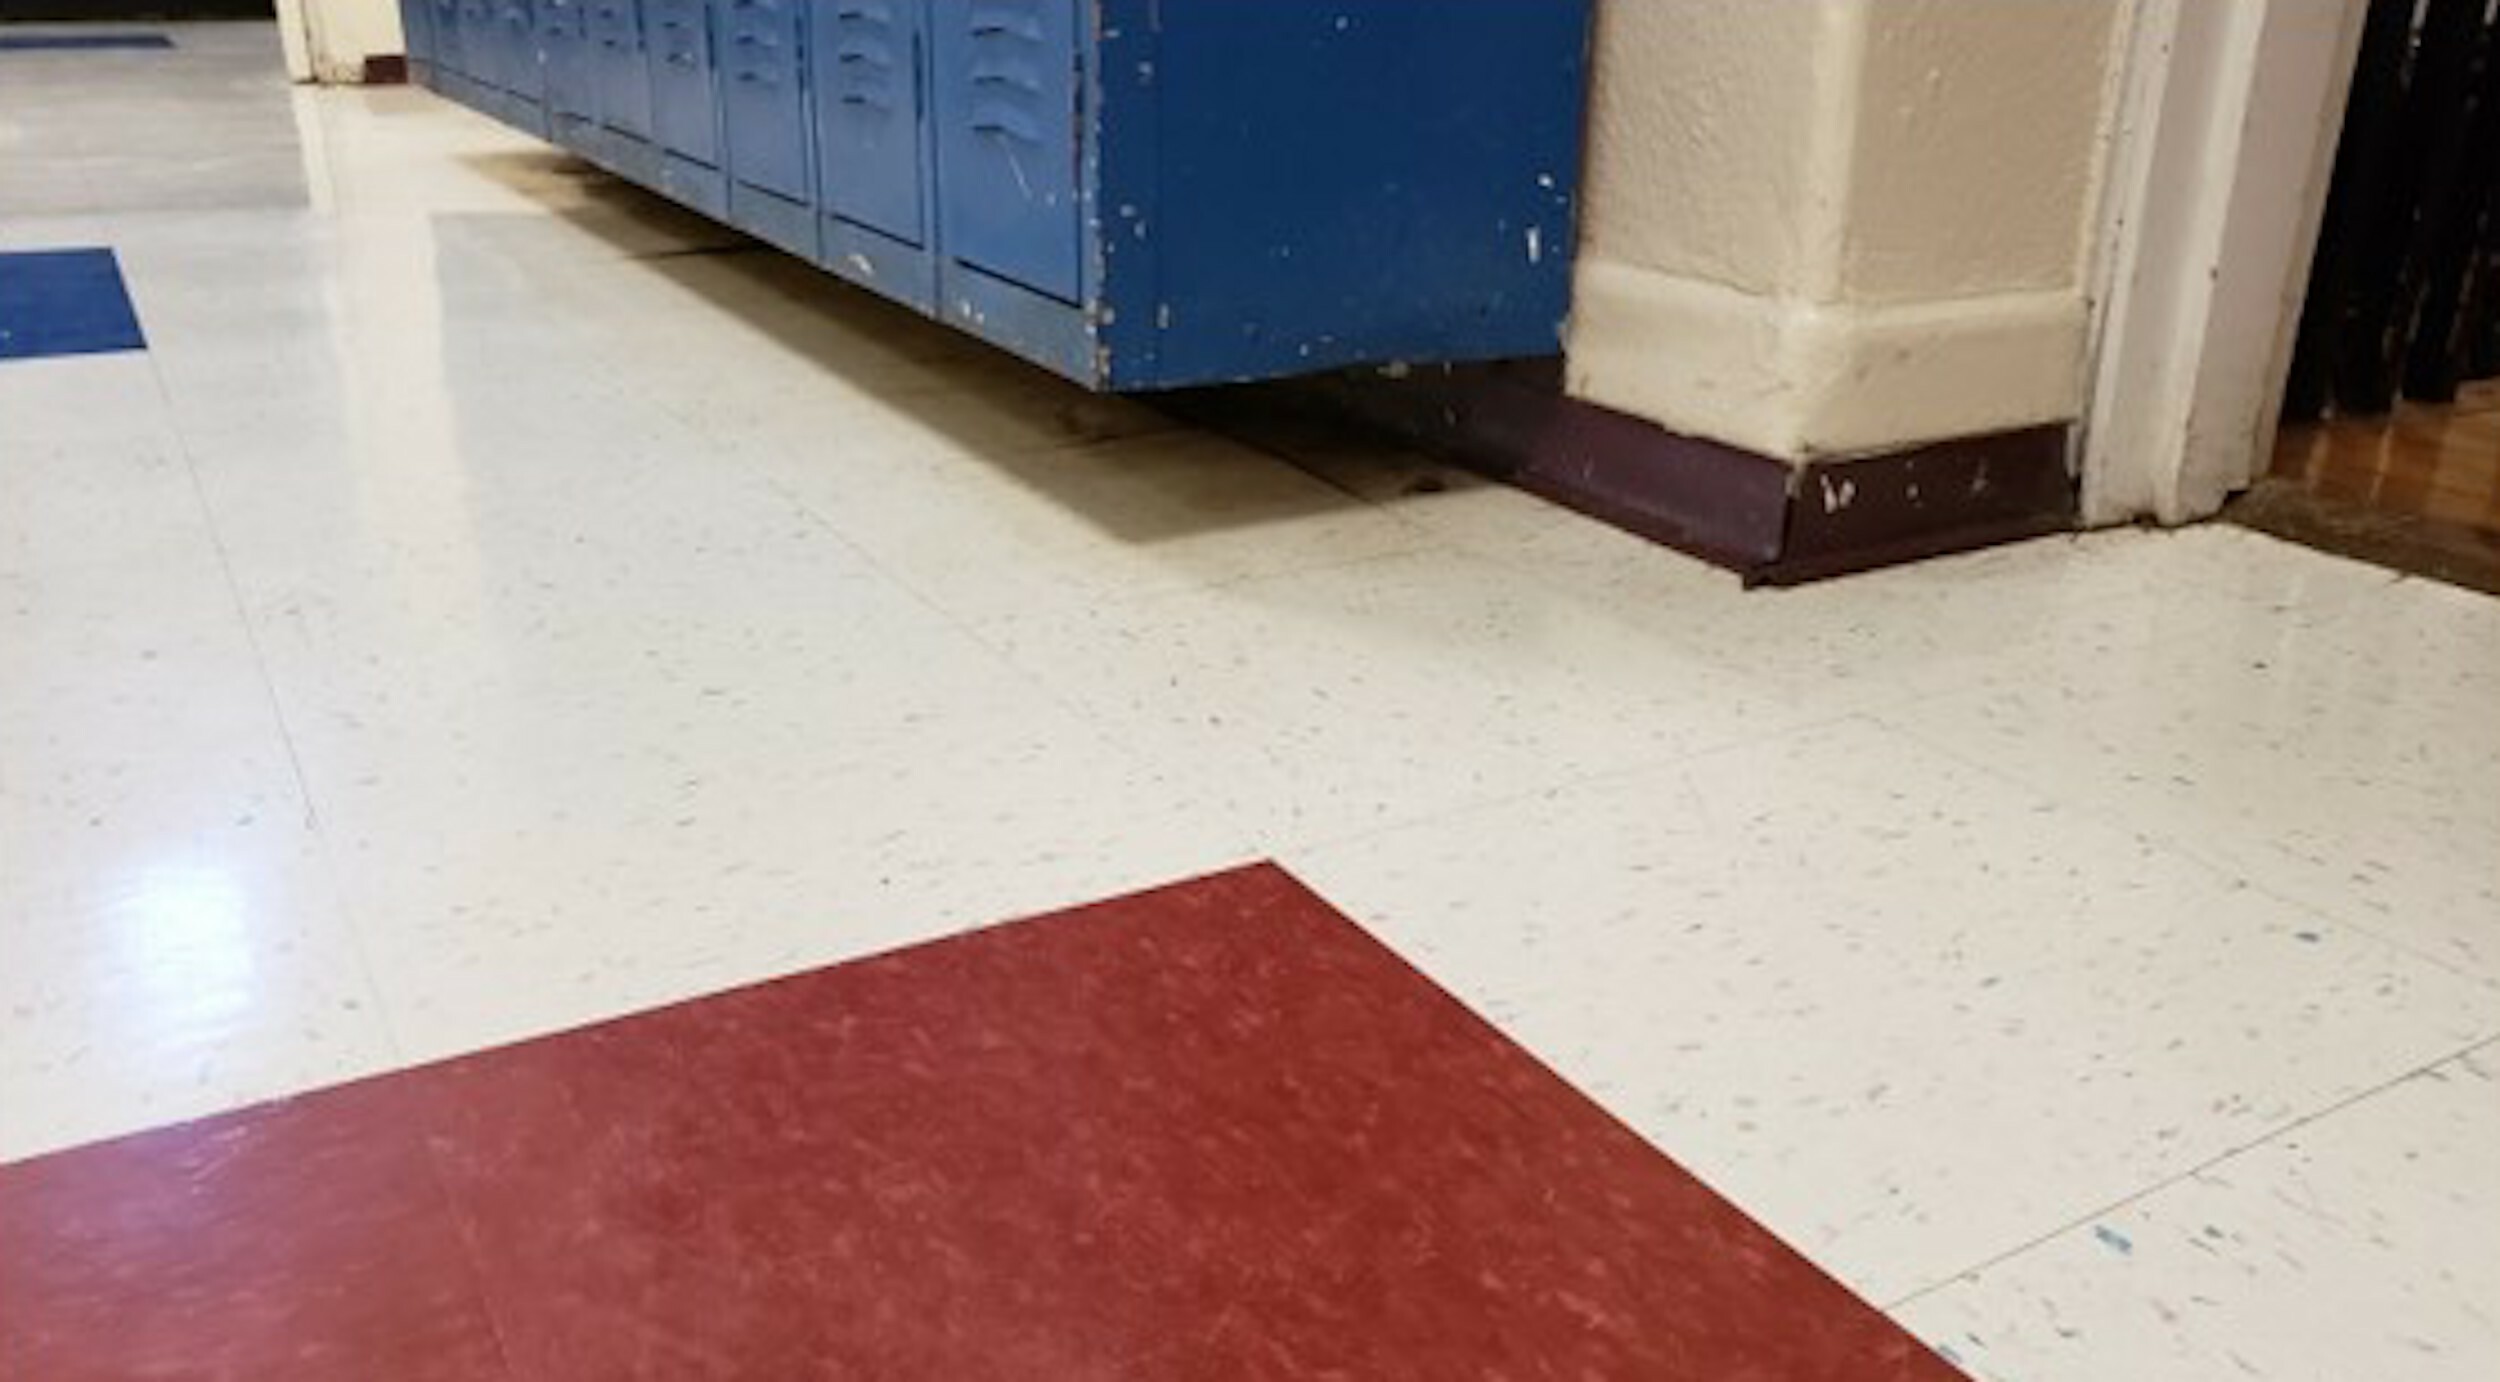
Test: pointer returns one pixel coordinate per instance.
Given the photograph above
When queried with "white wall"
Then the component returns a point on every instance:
(1976, 141)
(329, 40)
(1698, 142)
(1820, 227)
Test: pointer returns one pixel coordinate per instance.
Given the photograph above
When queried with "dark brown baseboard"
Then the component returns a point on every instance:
(1771, 522)
(1946, 496)
(386, 69)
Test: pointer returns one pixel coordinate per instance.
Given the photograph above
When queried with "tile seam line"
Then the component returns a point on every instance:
(1602, 778)
(1240, 836)
(1903, 693)
(1431, 544)
(911, 591)
(1149, 600)
(977, 630)
(2097, 813)
(334, 887)
(2472, 1048)
(785, 493)
(1907, 693)
(1395, 507)
(2333, 610)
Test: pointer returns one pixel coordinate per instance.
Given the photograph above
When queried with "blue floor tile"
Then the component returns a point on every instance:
(65, 302)
(46, 43)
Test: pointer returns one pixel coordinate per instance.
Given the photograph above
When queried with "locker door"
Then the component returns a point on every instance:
(764, 95)
(516, 49)
(416, 18)
(624, 73)
(447, 40)
(478, 30)
(1007, 84)
(684, 116)
(866, 59)
(563, 36)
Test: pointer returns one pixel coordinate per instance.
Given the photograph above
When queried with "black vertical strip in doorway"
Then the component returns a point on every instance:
(2403, 292)
(2456, 225)
(2357, 197)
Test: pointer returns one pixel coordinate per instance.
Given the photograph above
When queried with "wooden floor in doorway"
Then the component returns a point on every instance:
(2417, 490)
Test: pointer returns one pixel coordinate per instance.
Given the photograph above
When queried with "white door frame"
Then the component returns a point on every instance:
(2221, 149)
(327, 41)
(295, 36)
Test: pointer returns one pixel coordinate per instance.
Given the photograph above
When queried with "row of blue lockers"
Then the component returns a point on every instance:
(1139, 194)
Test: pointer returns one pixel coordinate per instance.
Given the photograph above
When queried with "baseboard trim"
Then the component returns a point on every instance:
(1803, 380)
(1946, 496)
(1772, 521)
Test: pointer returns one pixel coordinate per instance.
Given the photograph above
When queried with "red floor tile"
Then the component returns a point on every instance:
(1210, 1131)
(307, 1238)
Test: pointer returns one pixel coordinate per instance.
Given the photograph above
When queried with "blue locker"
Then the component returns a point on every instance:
(418, 20)
(565, 53)
(1342, 184)
(475, 24)
(515, 49)
(623, 69)
(1139, 194)
(868, 67)
(764, 95)
(1007, 116)
(685, 114)
(443, 22)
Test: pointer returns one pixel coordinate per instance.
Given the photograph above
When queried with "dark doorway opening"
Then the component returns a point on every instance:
(2390, 448)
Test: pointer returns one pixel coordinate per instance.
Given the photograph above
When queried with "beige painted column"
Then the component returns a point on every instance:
(327, 41)
(1827, 227)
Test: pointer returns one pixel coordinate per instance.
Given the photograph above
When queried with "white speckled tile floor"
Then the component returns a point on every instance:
(463, 624)
(2354, 1245)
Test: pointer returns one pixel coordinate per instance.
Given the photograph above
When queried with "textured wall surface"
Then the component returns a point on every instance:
(1977, 127)
(1818, 227)
(1699, 134)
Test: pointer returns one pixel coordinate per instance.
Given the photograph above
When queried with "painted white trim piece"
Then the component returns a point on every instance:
(295, 39)
(327, 41)
(2225, 140)
(1798, 380)
(1835, 102)
(312, 143)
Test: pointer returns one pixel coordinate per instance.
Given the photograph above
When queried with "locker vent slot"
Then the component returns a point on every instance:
(871, 54)
(1005, 71)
